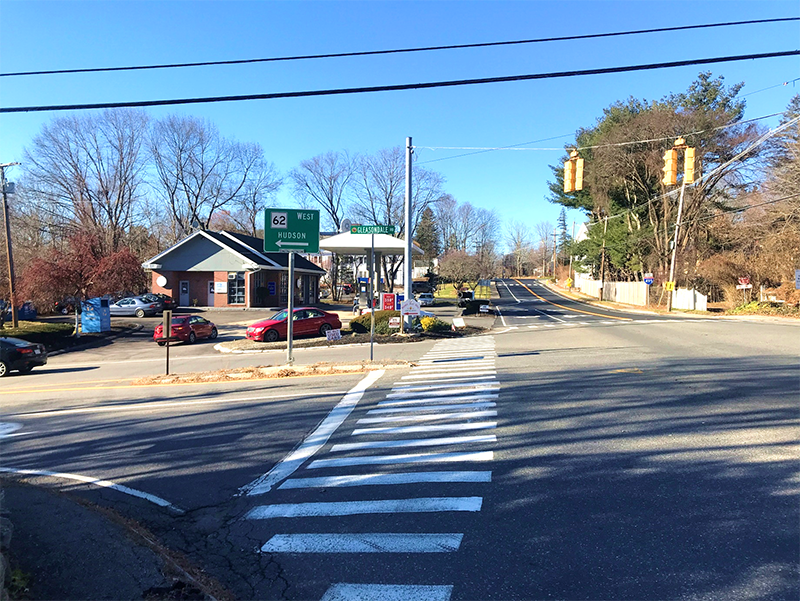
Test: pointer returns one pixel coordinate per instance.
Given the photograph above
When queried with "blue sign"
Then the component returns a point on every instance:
(363, 280)
(648, 281)
(272, 288)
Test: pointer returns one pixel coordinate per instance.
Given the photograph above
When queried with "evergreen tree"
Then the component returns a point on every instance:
(428, 235)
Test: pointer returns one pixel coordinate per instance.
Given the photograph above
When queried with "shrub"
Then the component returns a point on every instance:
(433, 324)
(361, 324)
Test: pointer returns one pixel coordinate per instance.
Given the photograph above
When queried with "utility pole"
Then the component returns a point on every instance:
(670, 176)
(555, 253)
(603, 257)
(675, 246)
(409, 271)
(9, 256)
(572, 242)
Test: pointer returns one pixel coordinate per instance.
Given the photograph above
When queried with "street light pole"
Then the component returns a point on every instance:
(408, 267)
(9, 256)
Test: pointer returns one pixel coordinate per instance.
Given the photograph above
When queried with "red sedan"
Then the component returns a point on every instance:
(307, 321)
(187, 328)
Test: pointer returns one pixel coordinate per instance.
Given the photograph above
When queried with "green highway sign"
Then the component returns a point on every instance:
(291, 230)
(372, 229)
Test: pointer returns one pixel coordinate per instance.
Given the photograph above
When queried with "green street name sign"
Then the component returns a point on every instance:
(372, 229)
(291, 230)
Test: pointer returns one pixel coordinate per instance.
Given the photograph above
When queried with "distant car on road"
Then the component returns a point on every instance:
(167, 301)
(426, 299)
(188, 328)
(134, 305)
(20, 355)
(307, 321)
(421, 287)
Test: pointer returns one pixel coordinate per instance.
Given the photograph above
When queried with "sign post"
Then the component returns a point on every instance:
(291, 231)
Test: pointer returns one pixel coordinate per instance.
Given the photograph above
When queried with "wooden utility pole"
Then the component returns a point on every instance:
(603, 257)
(12, 297)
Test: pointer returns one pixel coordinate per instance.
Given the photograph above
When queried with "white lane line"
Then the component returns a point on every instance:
(418, 429)
(471, 374)
(314, 441)
(427, 367)
(343, 591)
(511, 292)
(373, 542)
(454, 360)
(476, 388)
(419, 442)
(477, 396)
(437, 383)
(502, 318)
(459, 354)
(461, 457)
(7, 428)
(420, 505)
(386, 479)
(427, 417)
(423, 408)
(96, 482)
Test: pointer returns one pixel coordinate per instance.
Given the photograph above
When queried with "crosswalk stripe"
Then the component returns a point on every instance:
(400, 459)
(436, 384)
(418, 442)
(477, 396)
(387, 479)
(470, 375)
(420, 505)
(427, 417)
(423, 408)
(418, 429)
(373, 542)
(387, 592)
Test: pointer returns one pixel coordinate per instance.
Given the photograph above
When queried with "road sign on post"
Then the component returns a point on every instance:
(648, 279)
(291, 230)
(372, 229)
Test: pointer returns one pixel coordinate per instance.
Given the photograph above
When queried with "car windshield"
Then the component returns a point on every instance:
(16, 341)
(179, 320)
(279, 316)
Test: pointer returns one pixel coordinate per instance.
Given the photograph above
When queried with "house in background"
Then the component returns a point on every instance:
(226, 269)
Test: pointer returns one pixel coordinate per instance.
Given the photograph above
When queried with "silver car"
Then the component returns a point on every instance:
(134, 305)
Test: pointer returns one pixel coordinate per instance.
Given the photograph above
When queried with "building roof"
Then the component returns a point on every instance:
(248, 248)
(360, 244)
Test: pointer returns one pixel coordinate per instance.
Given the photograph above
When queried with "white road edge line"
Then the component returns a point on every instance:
(314, 441)
(96, 482)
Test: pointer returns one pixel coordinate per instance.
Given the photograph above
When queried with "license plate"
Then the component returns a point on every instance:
(37, 352)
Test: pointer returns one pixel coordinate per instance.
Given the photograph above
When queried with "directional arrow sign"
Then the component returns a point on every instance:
(291, 230)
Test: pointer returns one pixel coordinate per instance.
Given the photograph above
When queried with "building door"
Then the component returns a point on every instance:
(211, 294)
(183, 297)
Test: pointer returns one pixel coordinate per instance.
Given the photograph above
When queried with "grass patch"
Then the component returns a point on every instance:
(449, 290)
(766, 308)
(40, 332)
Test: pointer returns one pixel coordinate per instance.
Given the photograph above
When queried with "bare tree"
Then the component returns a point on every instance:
(198, 171)
(87, 172)
(518, 240)
(261, 186)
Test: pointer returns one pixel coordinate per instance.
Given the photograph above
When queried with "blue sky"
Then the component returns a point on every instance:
(36, 35)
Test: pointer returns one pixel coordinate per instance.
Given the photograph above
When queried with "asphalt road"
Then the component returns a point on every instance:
(574, 452)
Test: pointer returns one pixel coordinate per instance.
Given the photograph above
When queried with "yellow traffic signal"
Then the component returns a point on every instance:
(688, 165)
(579, 174)
(569, 176)
(670, 168)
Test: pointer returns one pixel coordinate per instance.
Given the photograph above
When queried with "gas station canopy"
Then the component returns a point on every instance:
(362, 244)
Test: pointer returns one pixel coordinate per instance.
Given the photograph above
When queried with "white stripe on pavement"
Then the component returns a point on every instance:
(437, 383)
(387, 592)
(476, 397)
(418, 442)
(400, 459)
(469, 406)
(421, 505)
(436, 428)
(314, 441)
(387, 479)
(373, 542)
(472, 375)
(426, 417)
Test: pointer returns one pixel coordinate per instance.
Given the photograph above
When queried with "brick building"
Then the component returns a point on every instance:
(226, 269)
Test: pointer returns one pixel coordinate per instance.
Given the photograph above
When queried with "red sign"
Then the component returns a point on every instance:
(388, 301)
(744, 281)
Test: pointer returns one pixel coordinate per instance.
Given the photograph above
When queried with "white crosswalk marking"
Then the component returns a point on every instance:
(435, 414)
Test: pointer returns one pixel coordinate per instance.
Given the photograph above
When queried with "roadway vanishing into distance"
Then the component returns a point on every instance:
(571, 452)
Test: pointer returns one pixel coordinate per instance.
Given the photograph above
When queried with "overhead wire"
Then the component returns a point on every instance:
(400, 50)
(400, 87)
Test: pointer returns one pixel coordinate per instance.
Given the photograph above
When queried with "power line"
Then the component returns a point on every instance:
(398, 87)
(399, 50)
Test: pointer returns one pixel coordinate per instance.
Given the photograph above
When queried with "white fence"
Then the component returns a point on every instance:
(689, 299)
(629, 293)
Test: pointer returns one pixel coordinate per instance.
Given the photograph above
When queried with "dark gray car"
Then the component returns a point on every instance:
(134, 305)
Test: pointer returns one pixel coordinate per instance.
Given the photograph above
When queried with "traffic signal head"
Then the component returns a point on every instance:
(579, 174)
(670, 168)
(569, 176)
(688, 165)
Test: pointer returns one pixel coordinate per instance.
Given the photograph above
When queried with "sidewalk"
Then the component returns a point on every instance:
(64, 548)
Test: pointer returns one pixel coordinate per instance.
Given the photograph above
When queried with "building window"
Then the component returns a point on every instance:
(236, 288)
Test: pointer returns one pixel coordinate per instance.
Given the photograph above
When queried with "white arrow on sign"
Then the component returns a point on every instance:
(282, 243)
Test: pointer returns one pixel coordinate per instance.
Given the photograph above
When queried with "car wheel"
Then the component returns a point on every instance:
(3, 369)
(25, 370)
(324, 329)
(192, 337)
(271, 336)
(139, 312)
(214, 333)
(161, 343)
(64, 311)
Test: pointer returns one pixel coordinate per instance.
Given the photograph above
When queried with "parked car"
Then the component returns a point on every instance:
(307, 321)
(154, 298)
(67, 305)
(464, 296)
(426, 299)
(20, 355)
(188, 328)
(166, 300)
(421, 287)
(134, 305)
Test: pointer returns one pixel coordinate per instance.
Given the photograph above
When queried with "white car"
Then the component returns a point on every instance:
(426, 299)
